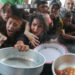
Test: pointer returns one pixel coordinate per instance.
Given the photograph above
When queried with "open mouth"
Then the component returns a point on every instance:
(10, 31)
(6, 17)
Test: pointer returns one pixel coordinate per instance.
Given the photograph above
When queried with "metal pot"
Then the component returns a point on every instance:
(63, 62)
(13, 62)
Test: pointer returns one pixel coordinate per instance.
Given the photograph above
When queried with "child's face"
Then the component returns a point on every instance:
(12, 26)
(54, 10)
(6, 13)
(43, 8)
(67, 21)
(36, 27)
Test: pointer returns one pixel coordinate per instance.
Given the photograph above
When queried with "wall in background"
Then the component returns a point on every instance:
(27, 1)
(62, 1)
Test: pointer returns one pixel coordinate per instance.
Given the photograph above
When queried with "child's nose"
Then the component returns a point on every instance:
(5, 14)
(35, 29)
(10, 27)
(53, 10)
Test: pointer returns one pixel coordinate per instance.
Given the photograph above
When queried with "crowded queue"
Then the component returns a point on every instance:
(46, 24)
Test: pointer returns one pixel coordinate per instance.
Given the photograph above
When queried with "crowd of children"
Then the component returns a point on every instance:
(39, 27)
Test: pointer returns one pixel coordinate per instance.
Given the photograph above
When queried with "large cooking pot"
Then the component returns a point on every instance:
(13, 62)
(63, 62)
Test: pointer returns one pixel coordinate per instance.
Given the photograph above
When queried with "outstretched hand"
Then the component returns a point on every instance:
(33, 39)
(3, 38)
(21, 46)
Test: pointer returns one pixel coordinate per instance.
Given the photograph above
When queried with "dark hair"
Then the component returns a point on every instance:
(68, 15)
(40, 2)
(41, 17)
(17, 12)
(57, 6)
(5, 5)
(57, 3)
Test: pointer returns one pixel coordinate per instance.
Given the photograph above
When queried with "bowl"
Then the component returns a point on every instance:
(63, 62)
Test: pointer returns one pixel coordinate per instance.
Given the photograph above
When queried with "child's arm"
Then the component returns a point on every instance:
(32, 38)
(3, 38)
(72, 33)
(67, 36)
(27, 28)
(73, 26)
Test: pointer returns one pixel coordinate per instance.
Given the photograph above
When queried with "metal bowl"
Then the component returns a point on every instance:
(13, 62)
(63, 62)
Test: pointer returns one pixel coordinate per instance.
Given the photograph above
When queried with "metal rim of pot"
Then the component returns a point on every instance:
(26, 67)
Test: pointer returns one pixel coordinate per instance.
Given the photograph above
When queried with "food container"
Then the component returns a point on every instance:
(63, 62)
(13, 62)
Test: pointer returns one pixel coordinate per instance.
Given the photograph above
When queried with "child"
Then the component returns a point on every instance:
(42, 7)
(68, 33)
(13, 29)
(38, 27)
(57, 21)
(5, 13)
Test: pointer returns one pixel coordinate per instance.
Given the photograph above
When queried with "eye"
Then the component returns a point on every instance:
(34, 24)
(15, 24)
(72, 3)
(40, 26)
(68, 3)
(3, 11)
(10, 22)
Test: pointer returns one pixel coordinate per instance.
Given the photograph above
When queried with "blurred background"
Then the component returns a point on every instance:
(27, 2)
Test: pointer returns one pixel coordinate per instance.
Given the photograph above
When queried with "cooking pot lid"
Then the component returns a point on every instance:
(51, 51)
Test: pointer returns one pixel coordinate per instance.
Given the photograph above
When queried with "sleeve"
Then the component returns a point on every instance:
(48, 18)
(60, 27)
(23, 38)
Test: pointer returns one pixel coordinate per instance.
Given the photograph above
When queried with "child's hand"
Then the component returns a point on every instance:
(62, 31)
(20, 45)
(72, 33)
(33, 39)
(52, 15)
(2, 39)
(54, 40)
